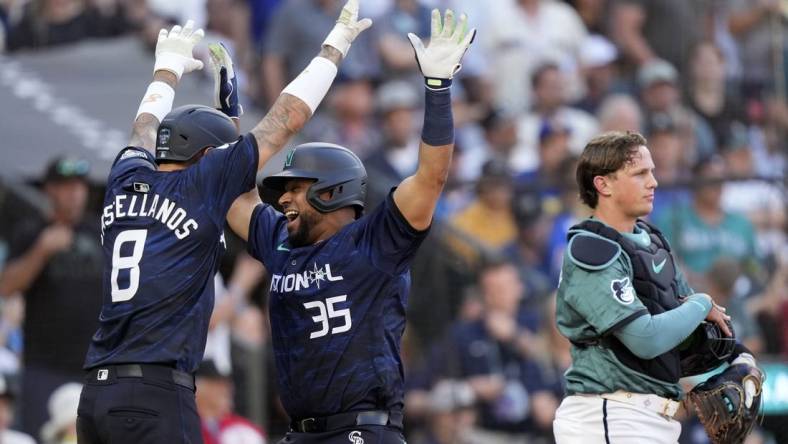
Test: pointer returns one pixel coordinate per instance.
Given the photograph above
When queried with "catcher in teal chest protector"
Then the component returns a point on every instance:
(635, 325)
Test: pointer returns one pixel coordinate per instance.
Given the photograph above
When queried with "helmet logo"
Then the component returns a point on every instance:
(164, 138)
(289, 160)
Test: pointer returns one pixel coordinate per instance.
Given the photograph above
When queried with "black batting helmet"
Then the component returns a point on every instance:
(333, 167)
(188, 129)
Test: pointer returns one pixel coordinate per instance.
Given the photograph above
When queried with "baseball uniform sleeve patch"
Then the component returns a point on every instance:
(622, 290)
(601, 297)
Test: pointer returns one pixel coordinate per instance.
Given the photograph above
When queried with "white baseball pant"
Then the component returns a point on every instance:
(590, 419)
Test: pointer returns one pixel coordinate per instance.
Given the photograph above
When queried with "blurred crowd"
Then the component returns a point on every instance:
(703, 80)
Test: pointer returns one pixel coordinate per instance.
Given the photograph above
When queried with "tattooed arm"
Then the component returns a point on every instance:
(173, 59)
(143, 133)
(288, 115)
(296, 104)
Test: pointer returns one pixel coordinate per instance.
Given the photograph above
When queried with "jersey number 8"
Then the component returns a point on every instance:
(131, 263)
(327, 312)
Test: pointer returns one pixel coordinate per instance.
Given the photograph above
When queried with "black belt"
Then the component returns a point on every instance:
(109, 373)
(346, 420)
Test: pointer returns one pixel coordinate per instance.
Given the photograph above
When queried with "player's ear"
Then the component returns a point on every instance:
(602, 185)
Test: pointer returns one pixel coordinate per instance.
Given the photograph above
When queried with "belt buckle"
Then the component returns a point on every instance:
(306, 425)
(666, 409)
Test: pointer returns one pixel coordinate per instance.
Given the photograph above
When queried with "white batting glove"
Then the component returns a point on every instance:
(440, 60)
(348, 27)
(174, 49)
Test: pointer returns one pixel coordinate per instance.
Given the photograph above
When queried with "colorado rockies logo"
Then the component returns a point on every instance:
(622, 291)
(355, 437)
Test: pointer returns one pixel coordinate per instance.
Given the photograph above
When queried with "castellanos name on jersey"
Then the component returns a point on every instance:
(171, 216)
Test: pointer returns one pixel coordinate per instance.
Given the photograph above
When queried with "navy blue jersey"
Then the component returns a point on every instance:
(163, 235)
(338, 310)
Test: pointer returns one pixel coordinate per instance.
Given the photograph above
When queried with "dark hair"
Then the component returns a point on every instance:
(603, 155)
(542, 69)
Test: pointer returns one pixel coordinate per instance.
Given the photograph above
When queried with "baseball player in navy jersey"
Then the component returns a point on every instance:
(626, 308)
(162, 224)
(340, 279)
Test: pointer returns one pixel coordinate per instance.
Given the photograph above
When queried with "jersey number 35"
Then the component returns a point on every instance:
(326, 312)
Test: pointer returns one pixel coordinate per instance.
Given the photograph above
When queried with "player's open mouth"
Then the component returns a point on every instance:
(291, 215)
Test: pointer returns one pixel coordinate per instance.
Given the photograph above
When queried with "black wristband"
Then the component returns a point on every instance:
(438, 127)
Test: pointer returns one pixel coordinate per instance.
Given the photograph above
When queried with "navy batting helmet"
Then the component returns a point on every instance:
(188, 129)
(334, 168)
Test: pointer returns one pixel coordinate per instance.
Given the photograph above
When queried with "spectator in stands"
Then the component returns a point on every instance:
(702, 231)
(61, 427)
(391, 30)
(262, 11)
(595, 14)
(756, 24)
(500, 133)
(721, 279)
(566, 210)
(553, 150)
(297, 27)
(529, 250)
(451, 414)
(708, 93)
(494, 137)
(660, 93)
(396, 102)
(215, 405)
(486, 225)
(764, 132)
(620, 112)
(11, 319)
(760, 199)
(597, 57)
(495, 356)
(670, 166)
(520, 36)
(56, 263)
(54, 22)
(7, 397)
(667, 29)
(771, 310)
(233, 317)
(550, 103)
(348, 120)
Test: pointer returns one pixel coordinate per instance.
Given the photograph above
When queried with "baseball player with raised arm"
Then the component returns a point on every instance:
(162, 224)
(635, 325)
(340, 279)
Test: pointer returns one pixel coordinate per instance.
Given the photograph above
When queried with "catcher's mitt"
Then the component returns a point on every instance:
(722, 403)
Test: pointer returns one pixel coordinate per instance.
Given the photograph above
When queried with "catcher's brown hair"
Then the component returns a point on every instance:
(603, 155)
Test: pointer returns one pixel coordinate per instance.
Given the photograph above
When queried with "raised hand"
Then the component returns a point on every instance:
(348, 27)
(449, 41)
(174, 49)
(225, 92)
